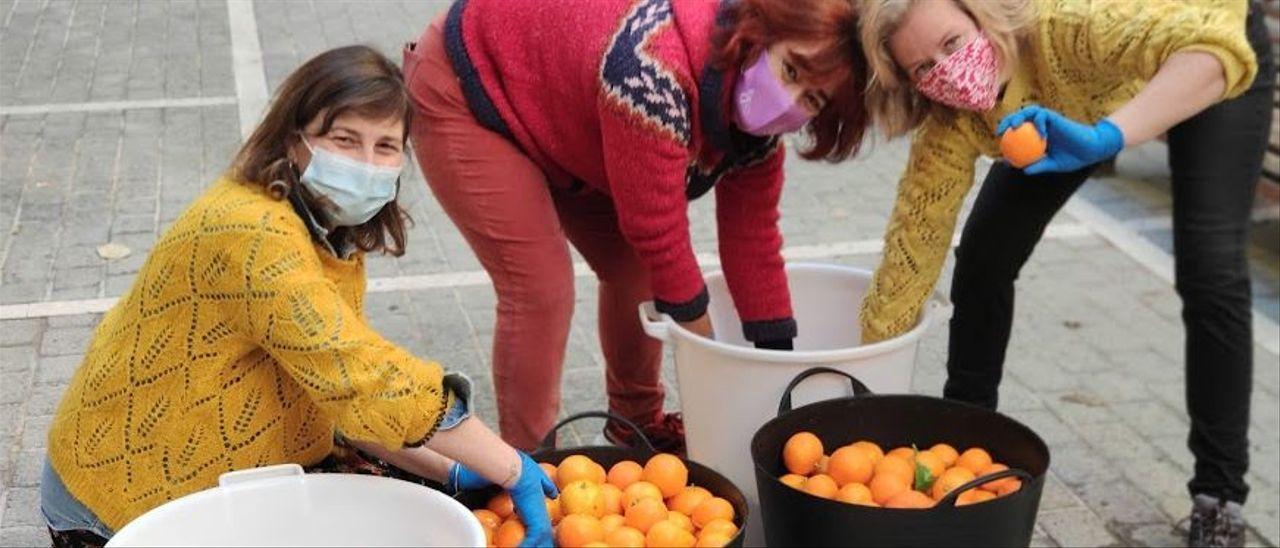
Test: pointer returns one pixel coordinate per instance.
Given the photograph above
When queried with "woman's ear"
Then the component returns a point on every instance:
(297, 153)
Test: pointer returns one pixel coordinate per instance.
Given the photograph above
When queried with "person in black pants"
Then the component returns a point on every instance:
(1216, 160)
(1091, 76)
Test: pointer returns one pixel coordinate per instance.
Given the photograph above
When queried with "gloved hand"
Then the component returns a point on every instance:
(1072, 145)
(527, 497)
(462, 478)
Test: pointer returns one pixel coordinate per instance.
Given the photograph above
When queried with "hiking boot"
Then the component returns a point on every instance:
(666, 434)
(1215, 522)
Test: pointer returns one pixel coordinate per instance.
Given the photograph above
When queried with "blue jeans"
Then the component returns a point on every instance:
(62, 512)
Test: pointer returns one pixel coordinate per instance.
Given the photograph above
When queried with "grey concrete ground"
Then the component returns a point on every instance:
(114, 115)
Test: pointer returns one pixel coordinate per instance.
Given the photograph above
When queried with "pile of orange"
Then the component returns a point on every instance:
(630, 505)
(905, 477)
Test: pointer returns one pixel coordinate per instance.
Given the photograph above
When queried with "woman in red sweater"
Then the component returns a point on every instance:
(596, 123)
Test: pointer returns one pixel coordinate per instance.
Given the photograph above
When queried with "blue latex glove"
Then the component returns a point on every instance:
(462, 478)
(1072, 145)
(527, 495)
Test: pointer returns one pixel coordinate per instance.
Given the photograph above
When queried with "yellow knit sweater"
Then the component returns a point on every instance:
(240, 344)
(1084, 58)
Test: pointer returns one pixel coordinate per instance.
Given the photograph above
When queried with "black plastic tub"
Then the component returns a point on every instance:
(795, 518)
(608, 455)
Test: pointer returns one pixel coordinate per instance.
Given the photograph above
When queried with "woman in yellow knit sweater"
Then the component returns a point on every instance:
(243, 343)
(1093, 76)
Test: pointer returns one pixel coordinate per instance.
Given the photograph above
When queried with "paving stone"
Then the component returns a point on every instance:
(56, 369)
(1120, 503)
(1151, 418)
(27, 469)
(65, 340)
(17, 359)
(1076, 527)
(22, 508)
(18, 332)
(35, 431)
(24, 536)
(1156, 534)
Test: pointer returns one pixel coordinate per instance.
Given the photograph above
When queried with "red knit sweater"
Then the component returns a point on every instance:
(618, 96)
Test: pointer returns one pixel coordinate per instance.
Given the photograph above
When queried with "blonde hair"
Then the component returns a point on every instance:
(892, 100)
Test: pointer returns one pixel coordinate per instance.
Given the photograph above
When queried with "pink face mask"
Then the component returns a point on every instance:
(762, 106)
(968, 79)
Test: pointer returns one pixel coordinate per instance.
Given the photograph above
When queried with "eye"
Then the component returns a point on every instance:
(389, 147)
(923, 69)
(343, 140)
(814, 102)
(952, 44)
(789, 71)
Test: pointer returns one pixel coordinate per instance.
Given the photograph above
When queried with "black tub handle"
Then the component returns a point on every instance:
(549, 442)
(949, 501)
(784, 406)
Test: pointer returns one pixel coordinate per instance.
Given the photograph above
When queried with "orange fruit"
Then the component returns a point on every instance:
(644, 513)
(501, 505)
(624, 473)
(596, 545)
(884, 486)
(488, 519)
(895, 465)
(1022, 145)
(667, 472)
(850, 465)
(946, 452)
(667, 533)
(994, 486)
(872, 450)
(931, 461)
(712, 508)
(611, 523)
(549, 470)
(640, 490)
(906, 453)
(576, 468)
(802, 453)
(821, 467)
(821, 485)
(625, 537)
(949, 480)
(680, 519)
(719, 525)
(600, 475)
(1009, 488)
(855, 493)
(975, 459)
(612, 498)
(974, 496)
(509, 534)
(796, 481)
(689, 499)
(553, 510)
(582, 497)
(579, 530)
(713, 540)
(909, 499)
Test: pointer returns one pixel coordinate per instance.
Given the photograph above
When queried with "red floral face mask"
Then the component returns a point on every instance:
(968, 79)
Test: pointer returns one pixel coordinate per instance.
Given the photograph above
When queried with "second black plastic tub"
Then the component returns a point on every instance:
(795, 518)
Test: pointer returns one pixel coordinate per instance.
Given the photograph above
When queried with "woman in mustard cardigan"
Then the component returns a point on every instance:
(1093, 76)
(243, 342)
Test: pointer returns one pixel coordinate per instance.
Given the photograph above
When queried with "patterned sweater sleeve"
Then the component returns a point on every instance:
(751, 246)
(938, 175)
(372, 389)
(1131, 39)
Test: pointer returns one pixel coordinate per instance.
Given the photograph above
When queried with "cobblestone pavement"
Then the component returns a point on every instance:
(114, 115)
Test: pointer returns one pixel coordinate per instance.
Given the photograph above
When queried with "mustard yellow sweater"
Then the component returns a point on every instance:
(1084, 58)
(240, 344)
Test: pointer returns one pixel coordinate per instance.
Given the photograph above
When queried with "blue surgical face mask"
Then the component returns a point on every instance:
(348, 192)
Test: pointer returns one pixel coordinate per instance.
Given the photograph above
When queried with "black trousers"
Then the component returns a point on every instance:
(1216, 158)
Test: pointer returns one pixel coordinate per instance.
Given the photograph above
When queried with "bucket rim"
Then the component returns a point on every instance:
(934, 310)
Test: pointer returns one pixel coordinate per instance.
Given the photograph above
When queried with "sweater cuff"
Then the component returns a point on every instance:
(686, 311)
(770, 330)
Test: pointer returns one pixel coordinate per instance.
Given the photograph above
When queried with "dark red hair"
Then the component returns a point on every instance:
(751, 26)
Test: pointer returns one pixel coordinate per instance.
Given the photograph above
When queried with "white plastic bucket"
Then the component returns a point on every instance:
(728, 388)
(281, 506)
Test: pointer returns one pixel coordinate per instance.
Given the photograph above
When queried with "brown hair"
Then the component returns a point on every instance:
(891, 97)
(354, 79)
(750, 26)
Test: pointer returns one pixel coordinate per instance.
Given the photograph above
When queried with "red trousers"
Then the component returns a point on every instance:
(520, 229)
